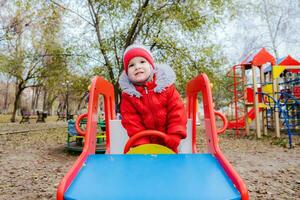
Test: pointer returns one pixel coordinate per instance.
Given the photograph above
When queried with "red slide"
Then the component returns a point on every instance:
(240, 122)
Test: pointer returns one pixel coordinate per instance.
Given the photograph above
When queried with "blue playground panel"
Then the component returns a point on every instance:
(152, 177)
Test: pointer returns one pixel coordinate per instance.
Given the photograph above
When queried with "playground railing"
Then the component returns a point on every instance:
(99, 86)
(285, 104)
(289, 106)
(201, 84)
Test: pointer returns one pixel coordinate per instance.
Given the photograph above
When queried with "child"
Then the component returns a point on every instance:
(150, 99)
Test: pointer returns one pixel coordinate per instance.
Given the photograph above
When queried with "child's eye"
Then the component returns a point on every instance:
(142, 61)
(131, 65)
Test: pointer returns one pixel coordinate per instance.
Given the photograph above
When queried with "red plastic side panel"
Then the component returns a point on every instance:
(250, 95)
(201, 84)
(235, 124)
(99, 86)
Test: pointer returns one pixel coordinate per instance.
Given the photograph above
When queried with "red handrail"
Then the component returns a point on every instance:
(77, 124)
(224, 120)
(201, 84)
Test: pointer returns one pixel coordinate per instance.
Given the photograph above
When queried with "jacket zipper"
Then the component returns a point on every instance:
(148, 99)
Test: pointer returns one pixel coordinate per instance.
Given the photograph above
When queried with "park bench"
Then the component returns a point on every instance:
(61, 116)
(26, 116)
(41, 116)
(70, 116)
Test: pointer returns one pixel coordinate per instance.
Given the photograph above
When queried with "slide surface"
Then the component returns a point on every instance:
(241, 121)
(168, 177)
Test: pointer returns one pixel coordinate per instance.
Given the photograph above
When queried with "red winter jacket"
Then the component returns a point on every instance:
(155, 105)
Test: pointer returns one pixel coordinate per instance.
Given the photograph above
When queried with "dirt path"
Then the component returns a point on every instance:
(33, 163)
(270, 172)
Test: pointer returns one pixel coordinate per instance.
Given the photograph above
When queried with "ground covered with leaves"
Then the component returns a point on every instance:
(34, 162)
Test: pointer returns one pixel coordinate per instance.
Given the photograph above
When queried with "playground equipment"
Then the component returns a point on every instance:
(246, 95)
(285, 90)
(277, 92)
(75, 141)
(117, 175)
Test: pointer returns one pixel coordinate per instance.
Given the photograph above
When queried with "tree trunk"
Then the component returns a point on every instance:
(13, 117)
(82, 98)
(50, 105)
(132, 30)
(117, 94)
(59, 107)
(19, 90)
(45, 99)
(37, 96)
(33, 99)
(96, 24)
(6, 97)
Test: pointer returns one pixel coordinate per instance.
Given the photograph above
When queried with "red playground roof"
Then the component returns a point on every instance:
(288, 61)
(258, 59)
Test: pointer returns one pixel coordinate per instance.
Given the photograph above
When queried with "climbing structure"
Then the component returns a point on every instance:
(285, 79)
(268, 93)
(246, 99)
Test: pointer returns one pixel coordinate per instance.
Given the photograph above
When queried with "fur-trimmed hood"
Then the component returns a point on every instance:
(165, 76)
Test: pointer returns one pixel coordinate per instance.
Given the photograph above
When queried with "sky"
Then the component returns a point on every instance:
(248, 32)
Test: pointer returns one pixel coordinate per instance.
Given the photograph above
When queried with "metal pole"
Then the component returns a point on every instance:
(67, 100)
(235, 100)
(244, 78)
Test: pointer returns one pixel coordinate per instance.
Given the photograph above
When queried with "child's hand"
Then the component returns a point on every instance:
(172, 142)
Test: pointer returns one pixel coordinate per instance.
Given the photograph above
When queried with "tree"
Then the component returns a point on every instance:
(176, 31)
(264, 23)
(13, 63)
(279, 17)
(79, 89)
(54, 61)
(21, 57)
(5, 93)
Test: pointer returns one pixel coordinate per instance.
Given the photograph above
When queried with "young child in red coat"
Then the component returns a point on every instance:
(150, 99)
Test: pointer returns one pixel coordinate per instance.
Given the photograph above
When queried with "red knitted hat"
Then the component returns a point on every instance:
(136, 50)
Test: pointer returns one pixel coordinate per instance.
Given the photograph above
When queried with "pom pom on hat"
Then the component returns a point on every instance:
(136, 50)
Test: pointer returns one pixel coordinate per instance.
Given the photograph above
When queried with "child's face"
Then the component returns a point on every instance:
(139, 69)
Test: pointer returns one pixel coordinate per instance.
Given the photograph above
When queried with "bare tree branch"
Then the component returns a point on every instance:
(101, 46)
(136, 21)
(272, 36)
(114, 42)
(72, 11)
